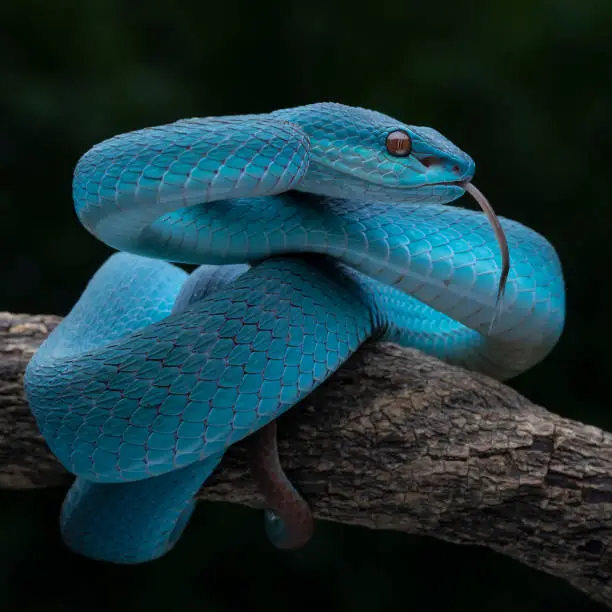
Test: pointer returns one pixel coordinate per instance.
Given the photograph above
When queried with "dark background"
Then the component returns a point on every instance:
(524, 86)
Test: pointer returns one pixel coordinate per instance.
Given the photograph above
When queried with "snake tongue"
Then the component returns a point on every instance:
(501, 240)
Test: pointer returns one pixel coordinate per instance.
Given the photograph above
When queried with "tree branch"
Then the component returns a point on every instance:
(398, 440)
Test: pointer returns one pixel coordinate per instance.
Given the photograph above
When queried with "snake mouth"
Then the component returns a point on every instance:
(500, 236)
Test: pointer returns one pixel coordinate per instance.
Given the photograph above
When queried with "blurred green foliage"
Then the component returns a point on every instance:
(524, 86)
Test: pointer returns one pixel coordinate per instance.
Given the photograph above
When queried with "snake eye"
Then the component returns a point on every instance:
(398, 143)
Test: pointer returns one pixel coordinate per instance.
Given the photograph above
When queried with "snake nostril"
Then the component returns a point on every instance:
(431, 161)
(428, 162)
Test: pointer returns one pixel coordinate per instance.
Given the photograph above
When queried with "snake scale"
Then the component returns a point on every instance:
(314, 229)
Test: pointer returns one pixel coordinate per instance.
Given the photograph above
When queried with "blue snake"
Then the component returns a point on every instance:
(314, 229)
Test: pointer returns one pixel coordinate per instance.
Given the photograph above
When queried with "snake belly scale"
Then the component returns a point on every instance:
(313, 228)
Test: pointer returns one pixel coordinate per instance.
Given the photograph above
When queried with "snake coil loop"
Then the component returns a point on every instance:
(310, 238)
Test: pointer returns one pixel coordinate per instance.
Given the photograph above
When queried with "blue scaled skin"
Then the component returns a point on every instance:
(312, 237)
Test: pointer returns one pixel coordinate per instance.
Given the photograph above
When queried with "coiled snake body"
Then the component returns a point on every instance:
(315, 228)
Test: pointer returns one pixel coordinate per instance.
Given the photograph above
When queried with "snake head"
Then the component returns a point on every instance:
(363, 154)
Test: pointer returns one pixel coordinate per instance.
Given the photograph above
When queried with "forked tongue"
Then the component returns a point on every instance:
(501, 240)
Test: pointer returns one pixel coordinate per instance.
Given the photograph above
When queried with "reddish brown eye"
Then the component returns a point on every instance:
(399, 143)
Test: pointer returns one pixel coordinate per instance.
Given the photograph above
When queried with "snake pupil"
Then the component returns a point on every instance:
(399, 143)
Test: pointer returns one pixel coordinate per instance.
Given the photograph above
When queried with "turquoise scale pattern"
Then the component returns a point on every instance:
(187, 387)
(144, 174)
(434, 268)
(135, 523)
(348, 157)
(158, 408)
(154, 373)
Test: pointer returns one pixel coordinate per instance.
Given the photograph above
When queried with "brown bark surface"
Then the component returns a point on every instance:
(398, 440)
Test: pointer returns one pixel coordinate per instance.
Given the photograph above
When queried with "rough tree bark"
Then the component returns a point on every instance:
(397, 440)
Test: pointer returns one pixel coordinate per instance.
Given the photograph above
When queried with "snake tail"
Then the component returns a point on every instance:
(288, 518)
